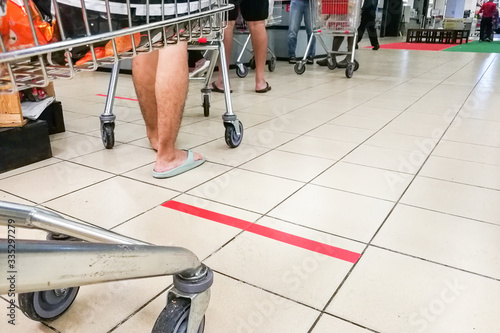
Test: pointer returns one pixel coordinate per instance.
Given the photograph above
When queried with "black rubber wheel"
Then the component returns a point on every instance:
(233, 140)
(206, 105)
(299, 68)
(331, 63)
(349, 70)
(272, 64)
(47, 305)
(108, 135)
(174, 318)
(356, 65)
(252, 63)
(241, 71)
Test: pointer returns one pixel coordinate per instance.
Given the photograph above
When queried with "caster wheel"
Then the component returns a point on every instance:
(233, 140)
(47, 305)
(272, 65)
(108, 135)
(174, 318)
(356, 65)
(206, 105)
(299, 68)
(331, 63)
(252, 63)
(241, 70)
(349, 70)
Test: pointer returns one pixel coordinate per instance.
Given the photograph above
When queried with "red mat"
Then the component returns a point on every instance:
(416, 46)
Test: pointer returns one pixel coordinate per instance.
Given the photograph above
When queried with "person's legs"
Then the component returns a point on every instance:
(482, 30)
(228, 46)
(144, 82)
(336, 43)
(293, 28)
(488, 27)
(362, 27)
(161, 82)
(259, 43)
(171, 92)
(308, 23)
(372, 31)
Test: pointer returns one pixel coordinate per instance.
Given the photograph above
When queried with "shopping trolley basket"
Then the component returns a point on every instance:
(337, 18)
(241, 28)
(44, 294)
(93, 33)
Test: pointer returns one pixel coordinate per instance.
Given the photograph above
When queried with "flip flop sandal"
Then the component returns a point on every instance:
(213, 87)
(189, 164)
(266, 89)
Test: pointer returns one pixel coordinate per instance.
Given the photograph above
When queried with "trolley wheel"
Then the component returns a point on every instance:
(356, 65)
(299, 68)
(241, 71)
(108, 135)
(331, 63)
(272, 64)
(174, 318)
(206, 105)
(349, 70)
(252, 63)
(47, 305)
(233, 140)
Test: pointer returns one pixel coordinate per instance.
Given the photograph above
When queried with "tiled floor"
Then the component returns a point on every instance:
(400, 164)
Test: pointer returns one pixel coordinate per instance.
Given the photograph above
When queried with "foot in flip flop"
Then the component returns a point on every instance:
(214, 87)
(188, 164)
(266, 89)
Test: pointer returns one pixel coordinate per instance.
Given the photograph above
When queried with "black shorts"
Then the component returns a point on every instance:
(251, 10)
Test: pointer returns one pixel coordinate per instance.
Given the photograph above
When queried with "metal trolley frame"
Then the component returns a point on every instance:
(338, 18)
(47, 278)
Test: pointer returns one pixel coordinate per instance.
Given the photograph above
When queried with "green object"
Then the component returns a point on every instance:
(483, 47)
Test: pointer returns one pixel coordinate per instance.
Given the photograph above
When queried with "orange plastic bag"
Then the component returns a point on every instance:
(16, 30)
(123, 44)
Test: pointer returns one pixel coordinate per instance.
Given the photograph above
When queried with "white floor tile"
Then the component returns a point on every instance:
(244, 189)
(337, 212)
(464, 172)
(298, 271)
(288, 165)
(378, 183)
(52, 181)
(428, 297)
(111, 202)
(452, 198)
(251, 309)
(454, 241)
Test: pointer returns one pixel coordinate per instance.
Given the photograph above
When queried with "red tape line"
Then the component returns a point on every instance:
(261, 230)
(118, 97)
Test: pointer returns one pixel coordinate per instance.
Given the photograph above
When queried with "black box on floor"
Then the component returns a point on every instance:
(20, 146)
(53, 115)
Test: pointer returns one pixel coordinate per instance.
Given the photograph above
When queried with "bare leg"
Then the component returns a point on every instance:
(169, 94)
(144, 79)
(228, 46)
(259, 44)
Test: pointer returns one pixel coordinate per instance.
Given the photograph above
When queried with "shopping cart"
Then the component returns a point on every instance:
(212, 47)
(337, 18)
(46, 275)
(241, 28)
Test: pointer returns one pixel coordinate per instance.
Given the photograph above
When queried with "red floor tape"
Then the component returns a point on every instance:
(257, 229)
(118, 97)
(416, 46)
